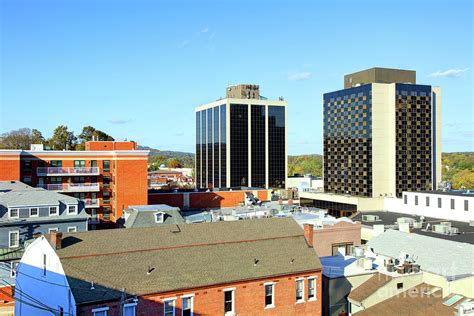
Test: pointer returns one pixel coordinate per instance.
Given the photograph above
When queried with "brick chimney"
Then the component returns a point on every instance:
(308, 233)
(56, 240)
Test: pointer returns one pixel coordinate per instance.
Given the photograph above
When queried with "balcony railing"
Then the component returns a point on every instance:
(91, 203)
(66, 171)
(72, 187)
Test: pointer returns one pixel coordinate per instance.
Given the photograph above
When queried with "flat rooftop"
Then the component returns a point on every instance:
(390, 219)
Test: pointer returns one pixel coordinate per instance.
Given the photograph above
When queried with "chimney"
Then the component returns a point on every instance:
(308, 233)
(56, 240)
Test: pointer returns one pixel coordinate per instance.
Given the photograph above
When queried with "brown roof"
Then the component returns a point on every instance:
(182, 257)
(414, 302)
(369, 287)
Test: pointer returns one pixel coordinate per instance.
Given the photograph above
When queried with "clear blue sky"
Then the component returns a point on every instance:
(136, 69)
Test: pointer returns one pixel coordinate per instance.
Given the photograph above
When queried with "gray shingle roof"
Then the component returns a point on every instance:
(7, 186)
(451, 259)
(183, 256)
(34, 197)
(145, 216)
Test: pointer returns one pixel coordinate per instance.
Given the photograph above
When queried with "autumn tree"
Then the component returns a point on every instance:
(21, 139)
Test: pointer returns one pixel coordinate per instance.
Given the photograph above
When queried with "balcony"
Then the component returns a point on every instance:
(72, 187)
(63, 171)
(91, 203)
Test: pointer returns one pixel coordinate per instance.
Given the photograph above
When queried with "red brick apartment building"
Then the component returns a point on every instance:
(108, 176)
(254, 267)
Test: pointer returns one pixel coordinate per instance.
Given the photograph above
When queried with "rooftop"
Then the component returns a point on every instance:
(145, 260)
(369, 287)
(466, 232)
(144, 215)
(432, 254)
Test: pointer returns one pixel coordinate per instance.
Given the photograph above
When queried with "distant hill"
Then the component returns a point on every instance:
(166, 153)
(172, 159)
(304, 164)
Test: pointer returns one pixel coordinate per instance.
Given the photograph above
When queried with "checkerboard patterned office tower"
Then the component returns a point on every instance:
(382, 134)
(241, 141)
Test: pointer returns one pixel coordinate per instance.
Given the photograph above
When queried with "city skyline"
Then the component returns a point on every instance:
(142, 83)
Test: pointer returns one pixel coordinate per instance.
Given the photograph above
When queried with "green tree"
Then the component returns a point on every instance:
(36, 137)
(174, 163)
(463, 179)
(90, 133)
(62, 139)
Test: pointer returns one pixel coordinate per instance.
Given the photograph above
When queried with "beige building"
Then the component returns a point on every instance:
(381, 136)
(243, 91)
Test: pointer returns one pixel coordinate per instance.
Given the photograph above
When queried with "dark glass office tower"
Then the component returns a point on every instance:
(241, 143)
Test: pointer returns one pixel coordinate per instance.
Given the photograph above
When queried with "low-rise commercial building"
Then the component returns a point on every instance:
(234, 268)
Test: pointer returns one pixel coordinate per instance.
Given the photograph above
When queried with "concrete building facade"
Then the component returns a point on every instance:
(107, 176)
(241, 142)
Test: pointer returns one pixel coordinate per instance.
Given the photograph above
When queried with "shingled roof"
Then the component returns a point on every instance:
(153, 260)
(369, 287)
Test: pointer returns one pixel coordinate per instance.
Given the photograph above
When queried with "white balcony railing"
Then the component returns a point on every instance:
(65, 171)
(91, 203)
(72, 187)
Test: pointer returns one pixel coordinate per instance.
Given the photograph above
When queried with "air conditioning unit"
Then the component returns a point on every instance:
(441, 229)
(417, 224)
(453, 230)
(370, 218)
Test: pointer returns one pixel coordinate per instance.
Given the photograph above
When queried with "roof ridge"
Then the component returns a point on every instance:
(178, 247)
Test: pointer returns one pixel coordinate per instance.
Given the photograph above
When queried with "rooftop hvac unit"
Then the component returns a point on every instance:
(365, 263)
(370, 218)
(453, 230)
(441, 229)
(465, 308)
(417, 224)
(448, 224)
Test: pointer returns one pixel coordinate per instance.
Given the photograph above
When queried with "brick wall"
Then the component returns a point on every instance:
(131, 184)
(249, 299)
(342, 232)
(171, 199)
(10, 167)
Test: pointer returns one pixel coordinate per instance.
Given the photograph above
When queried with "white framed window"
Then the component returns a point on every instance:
(71, 209)
(312, 289)
(159, 217)
(14, 239)
(53, 229)
(299, 290)
(72, 229)
(34, 212)
(169, 306)
(130, 309)
(187, 305)
(269, 294)
(229, 306)
(100, 311)
(14, 213)
(53, 211)
(13, 266)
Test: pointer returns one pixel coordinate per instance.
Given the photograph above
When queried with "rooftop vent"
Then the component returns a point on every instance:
(445, 228)
(370, 218)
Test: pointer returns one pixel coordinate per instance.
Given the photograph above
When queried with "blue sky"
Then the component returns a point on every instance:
(136, 69)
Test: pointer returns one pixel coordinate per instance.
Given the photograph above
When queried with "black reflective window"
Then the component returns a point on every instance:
(258, 145)
(210, 149)
(238, 145)
(203, 149)
(223, 141)
(216, 147)
(276, 146)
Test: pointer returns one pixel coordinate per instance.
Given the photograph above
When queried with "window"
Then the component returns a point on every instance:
(439, 203)
(228, 301)
(269, 296)
(56, 163)
(53, 210)
(106, 181)
(416, 199)
(452, 204)
(299, 291)
(130, 309)
(106, 197)
(187, 305)
(400, 286)
(405, 199)
(14, 239)
(72, 209)
(13, 267)
(466, 205)
(27, 179)
(100, 311)
(106, 165)
(14, 213)
(34, 212)
(427, 201)
(79, 163)
(93, 163)
(106, 212)
(168, 307)
(44, 264)
(27, 165)
(72, 229)
(52, 230)
(311, 289)
(159, 217)
(342, 248)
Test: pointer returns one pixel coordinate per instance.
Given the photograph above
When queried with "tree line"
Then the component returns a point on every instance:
(61, 139)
